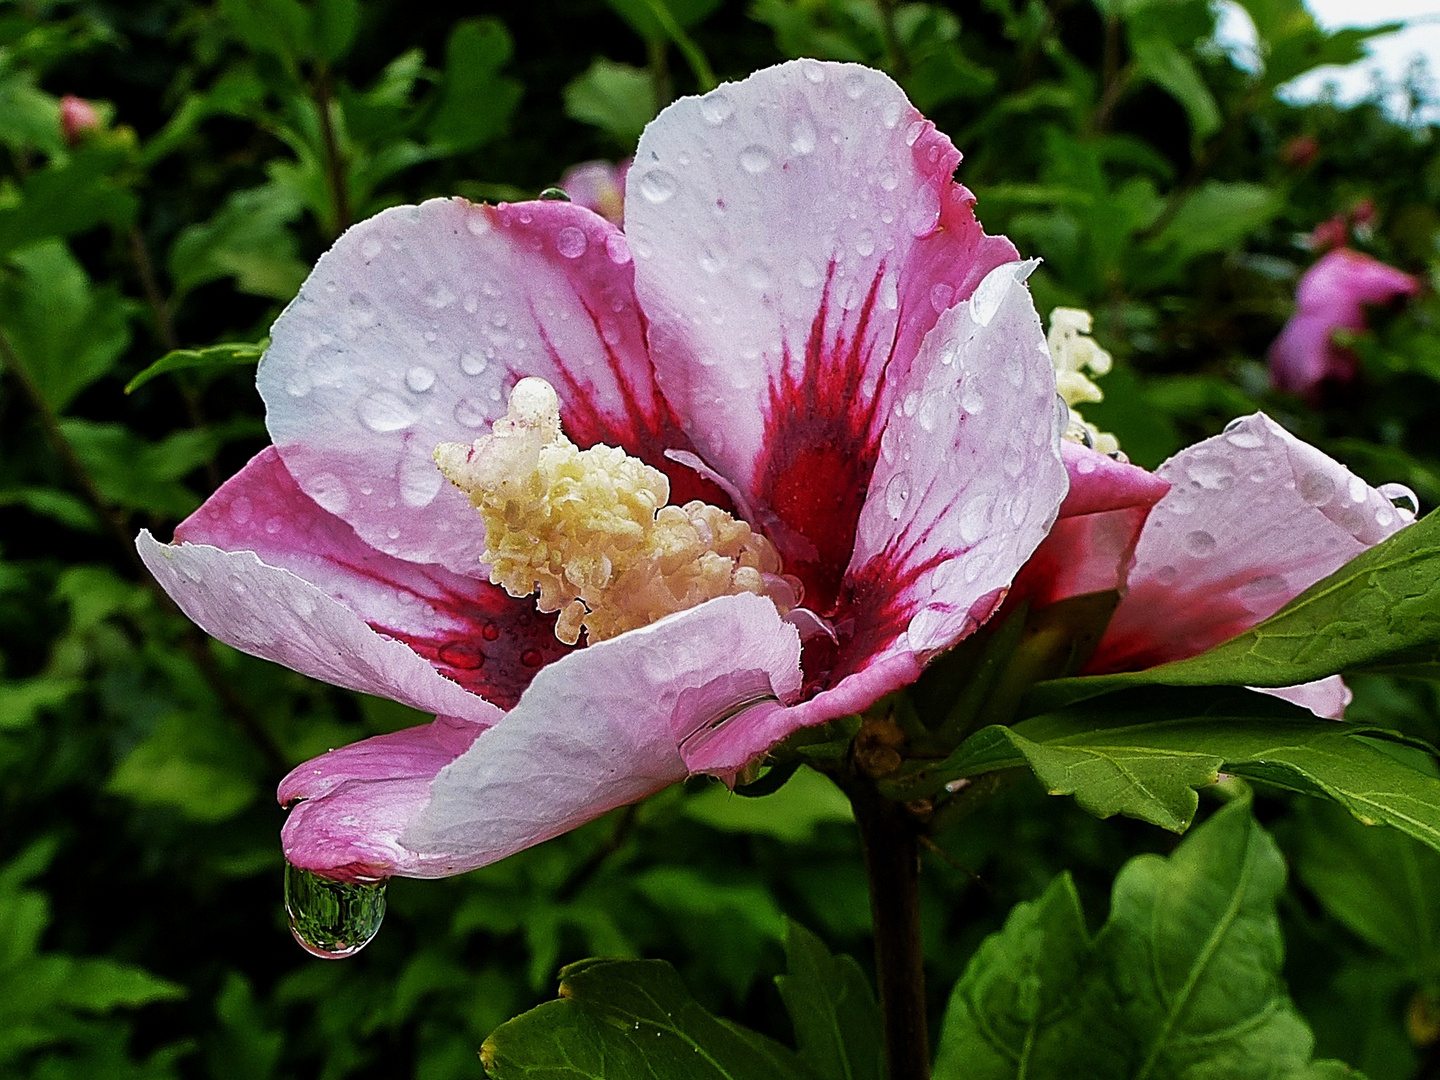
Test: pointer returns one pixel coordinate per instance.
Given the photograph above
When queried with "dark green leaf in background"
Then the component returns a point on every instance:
(1182, 983)
(837, 1022)
(620, 1019)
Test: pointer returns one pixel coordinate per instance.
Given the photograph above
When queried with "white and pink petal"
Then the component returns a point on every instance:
(271, 613)
(471, 631)
(604, 727)
(968, 482)
(411, 331)
(796, 235)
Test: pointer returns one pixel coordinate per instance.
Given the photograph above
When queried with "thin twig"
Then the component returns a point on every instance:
(165, 329)
(334, 158)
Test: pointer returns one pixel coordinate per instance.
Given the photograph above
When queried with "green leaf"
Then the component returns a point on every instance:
(831, 1005)
(1114, 759)
(791, 814)
(249, 239)
(476, 102)
(141, 475)
(648, 17)
(620, 1019)
(335, 24)
(1378, 612)
(1174, 72)
(1384, 886)
(191, 763)
(281, 28)
(64, 331)
(23, 700)
(101, 985)
(227, 354)
(1182, 982)
(617, 98)
(1218, 217)
(70, 197)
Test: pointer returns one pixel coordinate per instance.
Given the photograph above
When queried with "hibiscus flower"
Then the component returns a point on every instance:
(802, 339)
(1332, 295)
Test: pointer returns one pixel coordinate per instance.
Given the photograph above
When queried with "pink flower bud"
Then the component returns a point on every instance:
(77, 116)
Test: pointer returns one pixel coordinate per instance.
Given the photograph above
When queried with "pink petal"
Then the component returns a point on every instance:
(348, 807)
(967, 484)
(601, 728)
(1326, 698)
(472, 632)
(598, 186)
(796, 236)
(271, 613)
(1254, 517)
(410, 332)
(1090, 547)
(1331, 296)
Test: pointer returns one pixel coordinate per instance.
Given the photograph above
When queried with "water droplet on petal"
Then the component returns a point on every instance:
(865, 243)
(1316, 488)
(420, 481)
(855, 85)
(716, 107)
(755, 160)
(241, 510)
(657, 185)
(1358, 489)
(1199, 543)
(814, 70)
(571, 242)
(807, 274)
(802, 135)
(891, 115)
(472, 363)
(554, 194)
(1401, 496)
(490, 632)
(913, 132)
(420, 378)
(470, 413)
(617, 249)
(1211, 473)
(941, 296)
(328, 490)
(897, 494)
(531, 658)
(332, 919)
(383, 412)
(465, 655)
(274, 525)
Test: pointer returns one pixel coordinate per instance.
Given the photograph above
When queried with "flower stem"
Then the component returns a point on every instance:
(890, 839)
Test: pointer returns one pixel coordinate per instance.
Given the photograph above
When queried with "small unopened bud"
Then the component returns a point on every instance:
(77, 117)
(1300, 151)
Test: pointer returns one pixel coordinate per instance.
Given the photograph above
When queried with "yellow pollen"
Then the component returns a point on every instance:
(1074, 353)
(592, 531)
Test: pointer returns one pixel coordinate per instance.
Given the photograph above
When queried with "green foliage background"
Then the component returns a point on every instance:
(141, 933)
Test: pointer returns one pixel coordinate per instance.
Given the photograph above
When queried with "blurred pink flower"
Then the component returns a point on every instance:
(802, 323)
(598, 186)
(77, 117)
(1332, 296)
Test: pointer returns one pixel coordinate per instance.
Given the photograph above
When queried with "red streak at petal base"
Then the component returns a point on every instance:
(821, 442)
(499, 643)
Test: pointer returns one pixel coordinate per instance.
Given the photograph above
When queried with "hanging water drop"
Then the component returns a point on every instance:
(332, 919)
(1401, 497)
